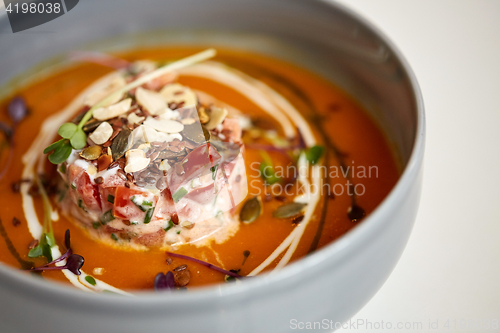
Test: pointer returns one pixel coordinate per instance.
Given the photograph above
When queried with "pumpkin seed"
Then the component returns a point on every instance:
(91, 125)
(120, 144)
(251, 210)
(291, 209)
(196, 133)
(91, 153)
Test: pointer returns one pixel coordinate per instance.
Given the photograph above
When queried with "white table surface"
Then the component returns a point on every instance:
(450, 270)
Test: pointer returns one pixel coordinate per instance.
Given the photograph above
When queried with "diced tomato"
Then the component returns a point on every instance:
(89, 192)
(124, 208)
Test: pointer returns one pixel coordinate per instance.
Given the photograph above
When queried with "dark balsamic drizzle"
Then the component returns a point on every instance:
(355, 213)
(24, 264)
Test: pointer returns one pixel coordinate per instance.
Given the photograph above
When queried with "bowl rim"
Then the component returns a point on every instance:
(56, 291)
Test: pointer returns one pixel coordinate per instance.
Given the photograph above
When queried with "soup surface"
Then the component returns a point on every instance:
(314, 162)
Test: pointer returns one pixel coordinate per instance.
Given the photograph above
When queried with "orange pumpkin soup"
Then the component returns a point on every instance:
(172, 168)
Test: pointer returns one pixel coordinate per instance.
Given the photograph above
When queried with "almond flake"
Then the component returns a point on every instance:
(136, 161)
(134, 119)
(102, 133)
(95, 97)
(112, 111)
(217, 116)
(177, 93)
(152, 101)
(163, 125)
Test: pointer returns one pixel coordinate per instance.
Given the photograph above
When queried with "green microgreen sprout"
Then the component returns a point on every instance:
(314, 153)
(47, 240)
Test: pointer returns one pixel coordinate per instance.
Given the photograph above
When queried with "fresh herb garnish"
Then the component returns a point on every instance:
(149, 215)
(113, 237)
(96, 225)
(73, 136)
(138, 203)
(47, 238)
(181, 192)
(178, 232)
(90, 280)
(314, 153)
(111, 199)
(74, 262)
(106, 217)
(267, 170)
(214, 171)
(169, 226)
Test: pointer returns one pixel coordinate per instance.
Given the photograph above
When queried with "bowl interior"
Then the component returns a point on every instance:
(316, 35)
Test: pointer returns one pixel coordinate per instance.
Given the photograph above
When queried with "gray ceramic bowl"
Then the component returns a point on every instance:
(333, 283)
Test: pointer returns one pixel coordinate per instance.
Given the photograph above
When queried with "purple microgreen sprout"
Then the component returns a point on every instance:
(73, 261)
(165, 281)
(17, 111)
(206, 264)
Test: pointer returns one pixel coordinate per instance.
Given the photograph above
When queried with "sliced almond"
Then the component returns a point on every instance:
(112, 111)
(169, 115)
(95, 97)
(177, 93)
(143, 133)
(136, 161)
(152, 101)
(217, 116)
(134, 119)
(165, 126)
(102, 133)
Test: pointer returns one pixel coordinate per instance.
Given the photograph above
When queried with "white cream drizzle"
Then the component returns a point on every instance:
(256, 91)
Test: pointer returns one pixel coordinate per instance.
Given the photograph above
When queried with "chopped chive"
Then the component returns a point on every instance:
(113, 237)
(179, 194)
(106, 217)
(73, 186)
(147, 203)
(136, 202)
(96, 225)
(178, 232)
(170, 225)
(149, 215)
(90, 280)
(214, 171)
(314, 153)
(111, 199)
